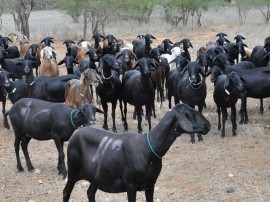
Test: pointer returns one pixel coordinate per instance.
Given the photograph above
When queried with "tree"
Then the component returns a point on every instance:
(24, 9)
(98, 12)
(243, 7)
(264, 7)
(139, 10)
(20, 10)
(180, 10)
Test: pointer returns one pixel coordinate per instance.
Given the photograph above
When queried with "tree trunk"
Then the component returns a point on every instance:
(84, 25)
(24, 9)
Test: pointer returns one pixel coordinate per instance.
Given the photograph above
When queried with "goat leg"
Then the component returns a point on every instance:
(24, 144)
(17, 148)
(61, 157)
(219, 122)
(91, 193)
(224, 118)
(113, 116)
(105, 109)
(149, 193)
(138, 110)
(233, 120)
(261, 105)
(192, 138)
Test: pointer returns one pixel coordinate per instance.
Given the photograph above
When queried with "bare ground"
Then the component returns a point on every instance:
(228, 169)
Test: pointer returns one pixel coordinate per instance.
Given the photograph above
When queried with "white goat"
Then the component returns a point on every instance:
(170, 57)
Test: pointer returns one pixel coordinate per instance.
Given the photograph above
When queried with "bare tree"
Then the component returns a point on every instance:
(24, 9)
(264, 7)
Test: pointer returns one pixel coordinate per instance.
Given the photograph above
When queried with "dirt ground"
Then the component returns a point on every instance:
(229, 169)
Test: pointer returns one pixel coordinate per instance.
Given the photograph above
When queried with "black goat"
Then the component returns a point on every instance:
(222, 41)
(110, 88)
(127, 57)
(33, 53)
(14, 66)
(98, 38)
(47, 41)
(260, 55)
(134, 160)
(51, 89)
(226, 94)
(256, 84)
(191, 88)
(41, 120)
(3, 98)
(12, 51)
(172, 80)
(69, 62)
(139, 90)
(237, 50)
(184, 44)
(143, 49)
(71, 50)
(90, 63)
(165, 46)
(111, 45)
(203, 58)
(14, 90)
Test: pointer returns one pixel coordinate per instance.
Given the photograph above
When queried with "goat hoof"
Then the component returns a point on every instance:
(20, 169)
(241, 122)
(114, 130)
(105, 127)
(200, 138)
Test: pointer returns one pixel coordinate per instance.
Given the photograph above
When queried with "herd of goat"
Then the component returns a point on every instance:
(47, 105)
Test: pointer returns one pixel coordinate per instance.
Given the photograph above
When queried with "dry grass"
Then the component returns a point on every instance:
(60, 26)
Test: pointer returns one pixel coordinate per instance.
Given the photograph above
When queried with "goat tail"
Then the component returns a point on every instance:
(5, 122)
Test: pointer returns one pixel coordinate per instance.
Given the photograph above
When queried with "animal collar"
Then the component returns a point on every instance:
(149, 144)
(196, 86)
(13, 89)
(71, 119)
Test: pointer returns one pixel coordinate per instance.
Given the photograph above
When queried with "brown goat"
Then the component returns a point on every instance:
(48, 66)
(83, 48)
(78, 92)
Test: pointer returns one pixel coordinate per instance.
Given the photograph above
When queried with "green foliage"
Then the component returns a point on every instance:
(140, 10)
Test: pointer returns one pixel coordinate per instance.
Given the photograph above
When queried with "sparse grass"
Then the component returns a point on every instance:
(60, 26)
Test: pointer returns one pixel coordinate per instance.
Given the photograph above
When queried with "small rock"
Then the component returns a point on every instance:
(40, 181)
(231, 175)
(230, 189)
(37, 171)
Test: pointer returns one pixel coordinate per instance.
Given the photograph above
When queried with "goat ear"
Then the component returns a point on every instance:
(202, 71)
(245, 45)
(135, 57)
(153, 37)
(190, 44)
(9, 39)
(102, 37)
(99, 110)
(118, 54)
(172, 61)
(170, 42)
(61, 62)
(184, 123)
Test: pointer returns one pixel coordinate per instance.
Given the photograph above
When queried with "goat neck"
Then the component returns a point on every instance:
(168, 129)
(30, 79)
